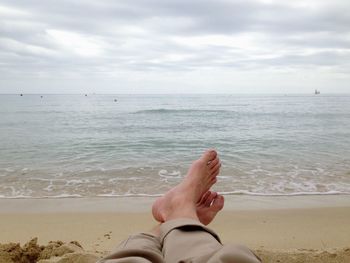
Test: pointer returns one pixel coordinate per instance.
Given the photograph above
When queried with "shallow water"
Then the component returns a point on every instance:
(72, 145)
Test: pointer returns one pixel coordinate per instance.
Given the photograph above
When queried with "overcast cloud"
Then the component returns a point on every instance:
(174, 46)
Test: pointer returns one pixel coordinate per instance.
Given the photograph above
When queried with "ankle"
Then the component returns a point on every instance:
(185, 212)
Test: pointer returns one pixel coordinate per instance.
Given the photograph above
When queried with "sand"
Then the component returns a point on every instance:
(279, 229)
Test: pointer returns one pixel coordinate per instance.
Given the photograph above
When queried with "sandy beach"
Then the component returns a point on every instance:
(296, 228)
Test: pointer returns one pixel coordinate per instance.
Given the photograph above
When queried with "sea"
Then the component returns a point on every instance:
(90, 145)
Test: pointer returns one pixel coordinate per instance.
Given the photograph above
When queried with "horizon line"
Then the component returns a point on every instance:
(94, 93)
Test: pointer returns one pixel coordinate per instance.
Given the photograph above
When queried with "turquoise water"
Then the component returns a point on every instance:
(76, 145)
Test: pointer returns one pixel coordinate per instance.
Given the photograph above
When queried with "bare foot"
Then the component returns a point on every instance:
(181, 200)
(207, 208)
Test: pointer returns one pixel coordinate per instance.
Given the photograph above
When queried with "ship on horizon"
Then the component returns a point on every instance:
(317, 92)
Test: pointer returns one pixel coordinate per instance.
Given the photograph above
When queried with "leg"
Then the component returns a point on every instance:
(139, 248)
(181, 200)
(146, 247)
(187, 240)
(183, 237)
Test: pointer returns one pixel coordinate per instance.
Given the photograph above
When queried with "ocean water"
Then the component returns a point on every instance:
(85, 146)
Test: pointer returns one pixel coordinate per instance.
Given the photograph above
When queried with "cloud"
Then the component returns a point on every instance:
(108, 38)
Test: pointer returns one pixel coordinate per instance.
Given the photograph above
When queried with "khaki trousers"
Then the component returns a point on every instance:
(180, 240)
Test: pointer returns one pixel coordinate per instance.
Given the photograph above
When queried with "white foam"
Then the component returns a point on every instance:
(165, 174)
(129, 195)
(242, 192)
(49, 188)
(64, 196)
(239, 192)
(75, 182)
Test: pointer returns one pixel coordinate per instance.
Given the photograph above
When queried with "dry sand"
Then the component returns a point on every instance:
(294, 229)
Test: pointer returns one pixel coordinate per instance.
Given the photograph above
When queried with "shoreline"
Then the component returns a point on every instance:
(143, 204)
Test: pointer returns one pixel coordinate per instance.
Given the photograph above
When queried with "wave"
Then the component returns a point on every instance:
(158, 195)
(43, 197)
(169, 111)
(35, 112)
(284, 194)
(129, 195)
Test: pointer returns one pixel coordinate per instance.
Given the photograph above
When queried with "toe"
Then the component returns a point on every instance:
(218, 203)
(216, 168)
(204, 198)
(213, 163)
(210, 198)
(209, 155)
(215, 174)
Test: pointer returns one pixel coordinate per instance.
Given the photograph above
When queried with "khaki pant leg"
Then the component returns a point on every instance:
(187, 240)
(234, 253)
(139, 248)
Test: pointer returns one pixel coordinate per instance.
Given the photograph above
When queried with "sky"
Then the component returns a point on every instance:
(174, 46)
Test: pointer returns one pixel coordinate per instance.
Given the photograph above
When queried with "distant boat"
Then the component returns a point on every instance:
(317, 92)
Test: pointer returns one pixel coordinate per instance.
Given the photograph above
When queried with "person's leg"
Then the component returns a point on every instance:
(145, 247)
(187, 240)
(139, 248)
(181, 200)
(183, 237)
